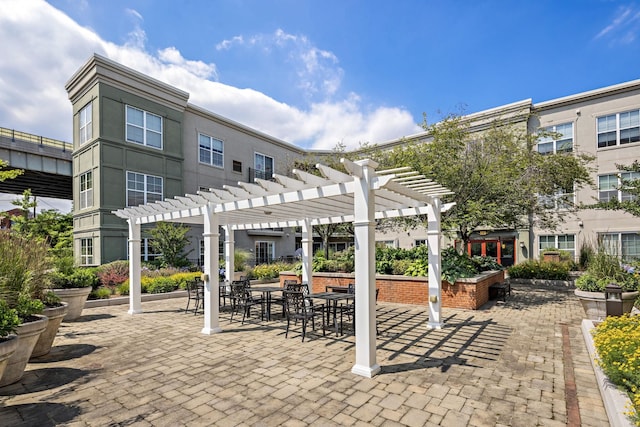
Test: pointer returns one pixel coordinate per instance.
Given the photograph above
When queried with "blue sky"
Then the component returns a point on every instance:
(316, 73)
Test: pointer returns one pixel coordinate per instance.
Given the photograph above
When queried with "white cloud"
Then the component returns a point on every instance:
(624, 27)
(46, 47)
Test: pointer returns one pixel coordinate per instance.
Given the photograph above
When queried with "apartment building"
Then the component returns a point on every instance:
(138, 140)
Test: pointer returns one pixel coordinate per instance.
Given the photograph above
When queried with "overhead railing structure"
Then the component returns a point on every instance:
(360, 196)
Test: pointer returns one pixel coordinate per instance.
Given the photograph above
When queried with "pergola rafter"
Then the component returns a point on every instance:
(361, 196)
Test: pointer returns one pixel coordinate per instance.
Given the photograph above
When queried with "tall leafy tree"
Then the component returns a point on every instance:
(170, 240)
(496, 175)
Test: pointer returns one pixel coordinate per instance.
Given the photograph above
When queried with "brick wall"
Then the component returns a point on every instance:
(465, 293)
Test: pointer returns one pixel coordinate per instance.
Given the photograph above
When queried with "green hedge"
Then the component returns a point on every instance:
(533, 269)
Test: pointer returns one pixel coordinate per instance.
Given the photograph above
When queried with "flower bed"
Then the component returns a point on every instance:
(616, 402)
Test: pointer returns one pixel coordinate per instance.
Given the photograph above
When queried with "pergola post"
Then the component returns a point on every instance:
(229, 249)
(365, 273)
(435, 272)
(135, 298)
(307, 253)
(211, 237)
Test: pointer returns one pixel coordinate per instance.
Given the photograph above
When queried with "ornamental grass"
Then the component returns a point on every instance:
(617, 340)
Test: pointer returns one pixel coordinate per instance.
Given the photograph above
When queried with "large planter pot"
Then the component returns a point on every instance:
(55, 315)
(75, 298)
(595, 303)
(28, 334)
(8, 346)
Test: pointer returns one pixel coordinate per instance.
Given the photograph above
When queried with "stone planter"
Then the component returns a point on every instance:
(594, 303)
(55, 315)
(75, 298)
(8, 346)
(28, 334)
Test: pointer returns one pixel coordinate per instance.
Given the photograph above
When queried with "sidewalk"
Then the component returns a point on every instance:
(522, 363)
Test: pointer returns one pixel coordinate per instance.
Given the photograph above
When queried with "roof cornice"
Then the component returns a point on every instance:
(589, 95)
(99, 69)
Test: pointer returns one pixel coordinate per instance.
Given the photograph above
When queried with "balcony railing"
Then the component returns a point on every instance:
(16, 135)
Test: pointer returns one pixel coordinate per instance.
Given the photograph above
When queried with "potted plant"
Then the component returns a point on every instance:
(74, 287)
(603, 270)
(23, 268)
(55, 310)
(9, 322)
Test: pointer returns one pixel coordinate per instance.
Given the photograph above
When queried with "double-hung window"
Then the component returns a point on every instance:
(619, 128)
(559, 139)
(144, 128)
(86, 190)
(563, 242)
(624, 245)
(86, 251)
(562, 198)
(264, 166)
(610, 187)
(143, 188)
(211, 150)
(86, 118)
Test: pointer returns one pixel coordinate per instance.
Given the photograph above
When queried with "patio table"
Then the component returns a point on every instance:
(266, 296)
(332, 299)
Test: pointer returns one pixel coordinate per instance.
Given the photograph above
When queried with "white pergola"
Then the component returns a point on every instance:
(362, 196)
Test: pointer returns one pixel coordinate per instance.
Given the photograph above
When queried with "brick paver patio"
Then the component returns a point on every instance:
(503, 365)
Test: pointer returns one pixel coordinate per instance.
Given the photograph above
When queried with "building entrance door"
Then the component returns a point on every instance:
(501, 250)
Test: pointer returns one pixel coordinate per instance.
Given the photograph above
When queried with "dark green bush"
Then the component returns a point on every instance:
(533, 269)
(160, 285)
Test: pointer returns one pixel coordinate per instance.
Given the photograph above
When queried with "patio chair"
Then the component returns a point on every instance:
(297, 309)
(242, 298)
(349, 310)
(195, 293)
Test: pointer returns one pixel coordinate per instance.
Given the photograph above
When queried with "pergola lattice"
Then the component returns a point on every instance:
(362, 196)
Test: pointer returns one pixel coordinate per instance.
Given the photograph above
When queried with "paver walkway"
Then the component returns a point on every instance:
(503, 365)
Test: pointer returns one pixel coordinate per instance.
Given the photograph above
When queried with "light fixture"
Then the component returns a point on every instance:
(522, 245)
(267, 212)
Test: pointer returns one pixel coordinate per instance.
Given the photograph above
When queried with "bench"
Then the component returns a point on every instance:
(500, 291)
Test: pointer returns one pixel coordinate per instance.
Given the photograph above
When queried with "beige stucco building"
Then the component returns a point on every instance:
(138, 140)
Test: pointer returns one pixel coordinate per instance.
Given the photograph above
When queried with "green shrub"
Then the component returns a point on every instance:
(399, 266)
(123, 288)
(78, 278)
(9, 319)
(270, 271)
(160, 285)
(533, 269)
(181, 279)
(101, 293)
(419, 267)
(604, 269)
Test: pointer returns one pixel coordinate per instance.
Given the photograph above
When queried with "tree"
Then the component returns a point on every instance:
(629, 186)
(170, 240)
(8, 174)
(50, 226)
(496, 175)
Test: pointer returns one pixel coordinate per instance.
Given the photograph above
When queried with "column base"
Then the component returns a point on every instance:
(135, 311)
(366, 371)
(211, 331)
(435, 325)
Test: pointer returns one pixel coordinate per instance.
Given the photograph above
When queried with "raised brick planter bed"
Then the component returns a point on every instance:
(470, 293)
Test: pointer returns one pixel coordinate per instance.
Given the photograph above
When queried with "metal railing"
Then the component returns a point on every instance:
(16, 135)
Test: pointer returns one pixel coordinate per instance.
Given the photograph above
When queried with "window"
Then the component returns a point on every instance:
(237, 166)
(211, 151)
(263, 166)
(563, 242)
(610, 186)
(86, 129)
(386, 243)
(86, 190)
(561, 140)
(147, 251)
(618, 129)
(265, 252)
(86, 251)
(624, 245)
(562, 198)
(144, 128)
(143, 189)
(420, 242)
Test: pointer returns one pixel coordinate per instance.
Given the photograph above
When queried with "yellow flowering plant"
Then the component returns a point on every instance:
(617, 341)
